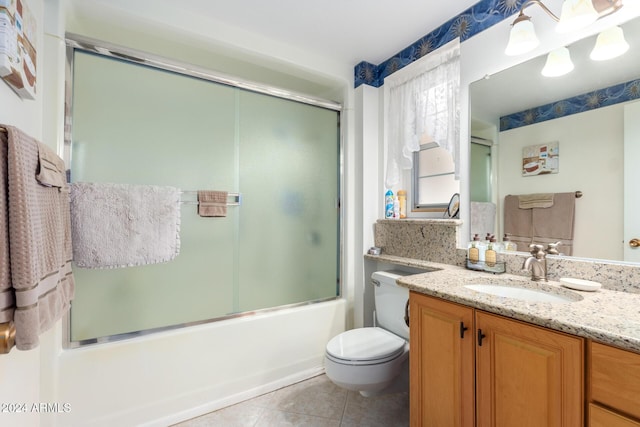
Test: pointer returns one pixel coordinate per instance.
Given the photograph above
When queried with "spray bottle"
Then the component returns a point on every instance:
(388, 204)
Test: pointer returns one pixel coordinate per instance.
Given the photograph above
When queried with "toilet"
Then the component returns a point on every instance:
(374, 360)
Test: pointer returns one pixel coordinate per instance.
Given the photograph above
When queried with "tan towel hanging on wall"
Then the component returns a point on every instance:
(212, 203)
(36, 281)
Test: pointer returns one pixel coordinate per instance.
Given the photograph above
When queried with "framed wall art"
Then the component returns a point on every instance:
(18, 29)
(540, 159)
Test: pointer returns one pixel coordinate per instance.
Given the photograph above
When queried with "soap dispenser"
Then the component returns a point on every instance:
(491, 256)
(508, 245)
(482, 247)
(474, 252)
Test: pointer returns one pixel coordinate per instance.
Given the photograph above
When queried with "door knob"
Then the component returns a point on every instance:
(634, 243)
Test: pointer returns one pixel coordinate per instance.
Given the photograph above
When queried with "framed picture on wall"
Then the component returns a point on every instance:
(540, 159)
(18, 29)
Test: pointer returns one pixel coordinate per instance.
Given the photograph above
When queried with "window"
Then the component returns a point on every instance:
(433, 179)
(423, 118)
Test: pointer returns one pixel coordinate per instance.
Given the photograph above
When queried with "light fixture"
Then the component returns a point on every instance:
(522, 37)
(609, 44)
(576, 15)
(558, 63)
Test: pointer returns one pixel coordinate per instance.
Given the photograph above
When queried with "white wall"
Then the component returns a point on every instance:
(370, 161)
(590, 138)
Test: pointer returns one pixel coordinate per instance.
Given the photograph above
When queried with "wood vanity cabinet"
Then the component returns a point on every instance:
(441, 363)
(471, 368)
(613, 386)
(527, 375)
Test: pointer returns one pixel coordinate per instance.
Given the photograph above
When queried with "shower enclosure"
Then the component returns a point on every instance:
(139, 121)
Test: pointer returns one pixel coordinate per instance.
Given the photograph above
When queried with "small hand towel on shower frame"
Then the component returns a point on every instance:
(212, 203)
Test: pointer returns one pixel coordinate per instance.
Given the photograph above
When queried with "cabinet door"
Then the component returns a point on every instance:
(615, 378)
(526, 375)
(441, 361)
(601, 417)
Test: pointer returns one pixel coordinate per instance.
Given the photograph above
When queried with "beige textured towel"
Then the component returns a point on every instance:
(212, 203)
(38, 248)
(7, 297)
(539, 200)
(51, 170)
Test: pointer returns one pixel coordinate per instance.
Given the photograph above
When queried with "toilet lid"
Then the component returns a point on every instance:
(365, 344)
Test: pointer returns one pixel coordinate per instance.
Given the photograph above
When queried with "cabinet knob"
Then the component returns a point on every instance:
(406, 313)
(481, 336)
(634, 243)
(462, 329)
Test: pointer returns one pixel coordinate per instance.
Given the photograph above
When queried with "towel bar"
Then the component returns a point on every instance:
(7, 337)
(236, 196)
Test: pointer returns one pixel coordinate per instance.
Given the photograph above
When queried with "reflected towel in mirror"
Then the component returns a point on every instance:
(483, 218)
(538, 200)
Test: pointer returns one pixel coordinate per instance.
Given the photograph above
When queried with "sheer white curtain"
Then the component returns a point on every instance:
(423, 107)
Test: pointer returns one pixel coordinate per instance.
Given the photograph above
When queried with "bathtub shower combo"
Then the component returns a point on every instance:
(142, 122)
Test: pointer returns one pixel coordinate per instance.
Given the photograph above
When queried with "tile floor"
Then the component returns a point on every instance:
(316, 402)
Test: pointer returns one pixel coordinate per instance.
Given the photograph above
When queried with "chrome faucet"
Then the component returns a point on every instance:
(537, 263)
(552, 248)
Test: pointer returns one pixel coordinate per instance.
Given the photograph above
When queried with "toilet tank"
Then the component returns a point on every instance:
(390, 302)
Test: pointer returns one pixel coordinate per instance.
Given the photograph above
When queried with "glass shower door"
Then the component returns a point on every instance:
(135, 124)
(288, 236)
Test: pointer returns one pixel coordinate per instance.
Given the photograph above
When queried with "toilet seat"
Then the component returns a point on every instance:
(366, 346)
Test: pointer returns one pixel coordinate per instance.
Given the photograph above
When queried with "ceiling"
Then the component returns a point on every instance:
(349, 31)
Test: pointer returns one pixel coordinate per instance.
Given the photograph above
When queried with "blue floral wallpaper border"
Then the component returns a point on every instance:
(589, 101)
(472, 21)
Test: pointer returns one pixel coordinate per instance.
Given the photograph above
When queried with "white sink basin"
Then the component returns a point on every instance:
(524, 294)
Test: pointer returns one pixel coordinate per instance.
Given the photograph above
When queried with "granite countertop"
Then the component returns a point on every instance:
(606, 316)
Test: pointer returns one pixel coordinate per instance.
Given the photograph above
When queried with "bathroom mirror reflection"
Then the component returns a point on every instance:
(590, 114)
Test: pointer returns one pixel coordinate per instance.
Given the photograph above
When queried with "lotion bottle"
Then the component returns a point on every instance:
(508, 245)
(482, 248)
(402, 198)
(490, 255)
(396, 208)
(474, 253)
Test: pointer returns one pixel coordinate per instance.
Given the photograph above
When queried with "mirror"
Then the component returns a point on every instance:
(453, 209)
(582, 113)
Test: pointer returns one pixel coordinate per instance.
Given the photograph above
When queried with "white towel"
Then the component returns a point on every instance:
(122, 225)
